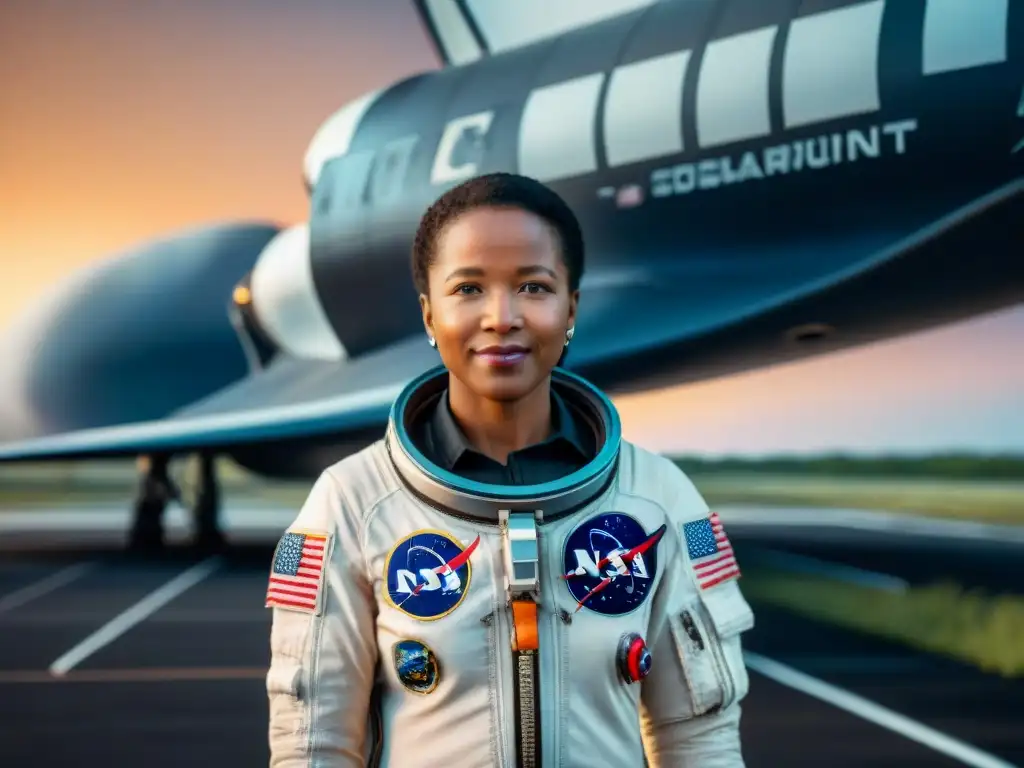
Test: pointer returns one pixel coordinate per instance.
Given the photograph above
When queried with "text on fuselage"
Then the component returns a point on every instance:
(792, 157)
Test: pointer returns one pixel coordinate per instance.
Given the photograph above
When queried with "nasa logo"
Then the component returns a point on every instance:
(609, 563)
(416, 666)
(428, 573)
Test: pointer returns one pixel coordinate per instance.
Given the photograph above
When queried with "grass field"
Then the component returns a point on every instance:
(987, 501)
(980, 629)
(930, 486)
(945, 466)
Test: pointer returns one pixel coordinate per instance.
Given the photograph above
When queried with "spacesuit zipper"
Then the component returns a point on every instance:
(527, 711)
(525, 674)
(522, 560)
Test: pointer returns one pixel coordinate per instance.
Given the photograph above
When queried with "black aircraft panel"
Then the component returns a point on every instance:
(669, 27)
(355, 239)
(588, 51)
(579, 55)
(405, 97)
(738, 16)
(499, 85)
(811, 7)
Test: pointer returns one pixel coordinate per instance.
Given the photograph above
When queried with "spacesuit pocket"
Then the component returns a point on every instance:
(693, 644)
(289, 652)
(728, 616)
(285, 677)
(287, 680)
(706, 634)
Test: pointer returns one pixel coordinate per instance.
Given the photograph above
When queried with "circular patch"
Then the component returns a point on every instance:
(609, 563)
(633, 658)
(427, 574)
(416, 666)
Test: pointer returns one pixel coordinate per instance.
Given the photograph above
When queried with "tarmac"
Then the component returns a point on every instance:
(110, 659)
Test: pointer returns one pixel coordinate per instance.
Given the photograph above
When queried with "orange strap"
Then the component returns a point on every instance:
(524, 624)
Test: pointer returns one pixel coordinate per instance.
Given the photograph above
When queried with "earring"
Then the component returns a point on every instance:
(431, 341)
(568, 335)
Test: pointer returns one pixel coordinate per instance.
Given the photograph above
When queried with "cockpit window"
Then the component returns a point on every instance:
(343, 183)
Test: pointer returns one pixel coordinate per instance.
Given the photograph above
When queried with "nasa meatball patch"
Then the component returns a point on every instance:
(609, 563)
(428, 573)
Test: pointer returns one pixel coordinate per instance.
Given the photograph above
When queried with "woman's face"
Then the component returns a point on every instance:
(499, 302)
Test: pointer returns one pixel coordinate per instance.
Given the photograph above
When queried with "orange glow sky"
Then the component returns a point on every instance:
(122, 120)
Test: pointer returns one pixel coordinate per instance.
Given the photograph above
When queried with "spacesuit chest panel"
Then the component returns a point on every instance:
(602, 569)
(437, 583)
(436, 579)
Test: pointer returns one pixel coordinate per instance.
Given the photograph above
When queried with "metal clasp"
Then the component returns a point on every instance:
(521, 552)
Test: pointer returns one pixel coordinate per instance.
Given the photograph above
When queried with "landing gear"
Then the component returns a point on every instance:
(205, 512)
(156, 489)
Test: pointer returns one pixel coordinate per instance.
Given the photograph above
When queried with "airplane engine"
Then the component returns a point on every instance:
(286, 310)
(129, 339)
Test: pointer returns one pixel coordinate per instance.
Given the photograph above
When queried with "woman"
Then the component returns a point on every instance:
(492, 582)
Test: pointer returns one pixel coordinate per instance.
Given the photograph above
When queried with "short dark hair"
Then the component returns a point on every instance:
(500, 190)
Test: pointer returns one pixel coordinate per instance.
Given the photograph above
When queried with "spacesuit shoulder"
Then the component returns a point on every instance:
(346, 492)
(658, 478)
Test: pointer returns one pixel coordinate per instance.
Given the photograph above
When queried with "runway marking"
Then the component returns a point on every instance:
(875, 713)
(803, 564)
(44, 586)
(140, 675)
(121, 623)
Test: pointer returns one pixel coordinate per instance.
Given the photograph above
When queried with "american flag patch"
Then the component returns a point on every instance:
(710, 551)
(297, 572)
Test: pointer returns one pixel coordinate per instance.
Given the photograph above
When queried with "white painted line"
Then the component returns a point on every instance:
(44, 586)
(121, 623)
(872, 712)
(789, 561)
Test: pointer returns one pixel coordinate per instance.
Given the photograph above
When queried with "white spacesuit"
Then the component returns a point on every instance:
(424, 620)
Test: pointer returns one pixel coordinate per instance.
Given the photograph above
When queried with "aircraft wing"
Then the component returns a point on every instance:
(464, 31)
(293, 398)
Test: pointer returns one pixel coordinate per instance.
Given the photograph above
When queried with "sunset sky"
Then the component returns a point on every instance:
(123, 120)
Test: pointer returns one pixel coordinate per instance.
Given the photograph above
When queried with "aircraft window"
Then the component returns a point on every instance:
(342, 184)
(389, 170)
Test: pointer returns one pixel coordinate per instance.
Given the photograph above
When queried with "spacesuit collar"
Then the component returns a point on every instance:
(482, 501)
(452, 443)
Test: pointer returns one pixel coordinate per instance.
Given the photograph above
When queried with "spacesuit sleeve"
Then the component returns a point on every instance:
(691, 699)
(322, 639)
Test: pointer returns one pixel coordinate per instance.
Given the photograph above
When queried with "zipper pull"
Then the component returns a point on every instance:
(691, 630)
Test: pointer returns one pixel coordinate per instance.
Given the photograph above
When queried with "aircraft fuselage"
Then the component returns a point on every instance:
(723, 158)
